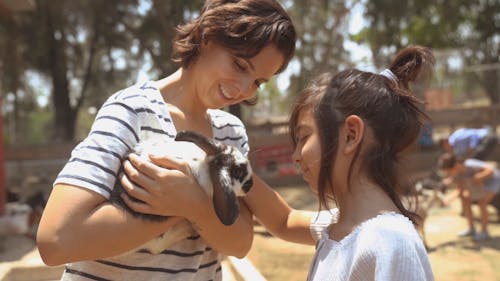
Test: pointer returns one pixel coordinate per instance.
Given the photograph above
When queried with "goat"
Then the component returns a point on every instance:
(220, 169)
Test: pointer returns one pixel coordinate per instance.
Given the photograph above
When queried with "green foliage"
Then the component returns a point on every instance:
(88, 49)
(35, 129)
(472, 28)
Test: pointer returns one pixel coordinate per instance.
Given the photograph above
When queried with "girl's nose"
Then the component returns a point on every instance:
(296, 155)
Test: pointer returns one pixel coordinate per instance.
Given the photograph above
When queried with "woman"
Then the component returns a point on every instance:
(224, 55)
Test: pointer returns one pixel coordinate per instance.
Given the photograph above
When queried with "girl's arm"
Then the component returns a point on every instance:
(167, 187)
(277, 216)
(79, 224)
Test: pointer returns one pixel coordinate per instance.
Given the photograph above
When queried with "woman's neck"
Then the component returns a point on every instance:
(178, 91)
(183, 103)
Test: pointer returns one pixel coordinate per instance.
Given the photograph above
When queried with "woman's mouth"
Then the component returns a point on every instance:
(225, 94)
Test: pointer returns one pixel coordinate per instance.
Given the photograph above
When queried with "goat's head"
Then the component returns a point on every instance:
(230, 173)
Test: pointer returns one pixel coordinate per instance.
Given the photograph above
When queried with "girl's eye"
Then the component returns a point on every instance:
(302, 139)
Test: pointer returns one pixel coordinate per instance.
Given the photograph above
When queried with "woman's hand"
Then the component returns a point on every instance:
(165, 186)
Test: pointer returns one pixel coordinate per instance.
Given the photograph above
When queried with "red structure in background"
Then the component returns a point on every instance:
(3, 188)
(275, 160)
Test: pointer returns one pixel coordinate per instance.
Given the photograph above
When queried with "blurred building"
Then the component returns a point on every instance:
(7, 7)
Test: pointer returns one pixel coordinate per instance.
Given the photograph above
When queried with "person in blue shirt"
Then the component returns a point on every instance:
(477, 143)
(471, 176)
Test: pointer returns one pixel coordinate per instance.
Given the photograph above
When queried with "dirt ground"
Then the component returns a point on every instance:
(452, 258)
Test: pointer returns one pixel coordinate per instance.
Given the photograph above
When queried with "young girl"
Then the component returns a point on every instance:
(225, 55)
(475, 174)
(349, 131)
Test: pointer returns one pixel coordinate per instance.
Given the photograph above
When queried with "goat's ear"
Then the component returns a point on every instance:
(201, 141)
(225, 202)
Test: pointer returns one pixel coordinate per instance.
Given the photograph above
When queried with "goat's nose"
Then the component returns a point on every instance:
(247, 185)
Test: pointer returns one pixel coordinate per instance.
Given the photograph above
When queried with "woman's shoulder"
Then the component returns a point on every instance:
(140, 94)
(223, 118)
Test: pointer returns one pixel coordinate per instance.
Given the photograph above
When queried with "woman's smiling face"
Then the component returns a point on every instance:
(225, 79)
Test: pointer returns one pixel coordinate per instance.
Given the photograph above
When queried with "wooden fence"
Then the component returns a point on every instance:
(466, 117)
(271, 146)
(270, 154)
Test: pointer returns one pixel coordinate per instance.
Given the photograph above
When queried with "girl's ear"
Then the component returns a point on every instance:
(352, 132)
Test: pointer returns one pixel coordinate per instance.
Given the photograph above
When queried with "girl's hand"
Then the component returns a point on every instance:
(166, 187)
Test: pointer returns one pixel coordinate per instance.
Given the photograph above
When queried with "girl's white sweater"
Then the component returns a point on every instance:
(384, 248)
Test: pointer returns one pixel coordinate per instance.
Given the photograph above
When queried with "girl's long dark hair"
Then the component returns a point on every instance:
(387, 106)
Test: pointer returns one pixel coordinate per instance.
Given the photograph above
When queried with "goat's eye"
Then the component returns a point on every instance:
(239, 172)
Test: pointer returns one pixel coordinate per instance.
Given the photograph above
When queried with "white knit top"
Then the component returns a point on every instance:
(384, 248)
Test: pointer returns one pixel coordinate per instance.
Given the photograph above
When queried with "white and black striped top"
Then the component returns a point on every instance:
(124, 119)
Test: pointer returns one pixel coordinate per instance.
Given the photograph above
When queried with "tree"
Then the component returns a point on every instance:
(321, 29)
(72, 43)
(471, 27)
(87, 50)
(155, 32)
(12, 71)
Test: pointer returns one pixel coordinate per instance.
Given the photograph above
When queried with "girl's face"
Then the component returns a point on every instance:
(307, 152)
(224, 79)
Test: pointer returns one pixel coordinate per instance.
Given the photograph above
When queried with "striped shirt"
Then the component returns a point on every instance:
(126, 118)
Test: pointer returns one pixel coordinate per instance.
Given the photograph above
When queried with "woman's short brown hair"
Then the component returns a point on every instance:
(243, 27)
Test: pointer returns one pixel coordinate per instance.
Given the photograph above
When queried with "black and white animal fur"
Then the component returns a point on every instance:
(220, 169)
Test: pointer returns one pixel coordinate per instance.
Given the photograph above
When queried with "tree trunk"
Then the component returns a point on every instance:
(64, 117)
(491, 82)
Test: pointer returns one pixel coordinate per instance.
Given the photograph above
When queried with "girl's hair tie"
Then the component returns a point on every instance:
(389, 74)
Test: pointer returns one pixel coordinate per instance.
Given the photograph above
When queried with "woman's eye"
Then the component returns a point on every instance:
(240, 65)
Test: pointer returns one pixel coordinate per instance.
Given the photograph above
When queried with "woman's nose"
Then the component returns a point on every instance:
(247, 87)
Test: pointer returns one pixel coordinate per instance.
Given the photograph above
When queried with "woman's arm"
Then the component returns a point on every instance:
(167, 187)
(79, 224)
(483, 174)
(277, 216)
